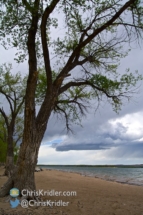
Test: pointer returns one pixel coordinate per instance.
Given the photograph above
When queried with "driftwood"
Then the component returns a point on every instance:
(38, 169)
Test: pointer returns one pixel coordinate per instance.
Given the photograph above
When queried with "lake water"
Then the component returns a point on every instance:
(132, 176)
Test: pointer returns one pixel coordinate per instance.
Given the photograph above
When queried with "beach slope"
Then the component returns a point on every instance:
(72, 193)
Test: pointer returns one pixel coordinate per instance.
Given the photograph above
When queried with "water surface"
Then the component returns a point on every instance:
(122, 174)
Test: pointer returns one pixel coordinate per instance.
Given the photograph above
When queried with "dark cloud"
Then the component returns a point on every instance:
(123, 149)
(104, 136)
(89, 146)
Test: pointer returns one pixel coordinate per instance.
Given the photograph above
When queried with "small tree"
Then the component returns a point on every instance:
(12, 90)
(4, 137)
(87, 55)
(3, 140)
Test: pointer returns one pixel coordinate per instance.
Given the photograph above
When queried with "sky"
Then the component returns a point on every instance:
(105, 137)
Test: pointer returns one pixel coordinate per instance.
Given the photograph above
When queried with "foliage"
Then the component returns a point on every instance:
(12, 92)
(86, 53)
(12, 86)
(74, 103)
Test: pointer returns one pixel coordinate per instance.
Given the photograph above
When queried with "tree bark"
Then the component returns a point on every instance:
(23, 174)
(10, 150)
(34, 129)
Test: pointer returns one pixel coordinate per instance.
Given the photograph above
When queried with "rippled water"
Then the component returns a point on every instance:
(118, 174)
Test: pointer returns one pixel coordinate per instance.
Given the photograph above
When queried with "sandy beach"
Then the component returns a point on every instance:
(93, 196)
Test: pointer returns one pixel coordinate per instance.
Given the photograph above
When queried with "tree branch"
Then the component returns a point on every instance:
(5, 117)
(82, 83)
(74, 101)
(8, 99)
(27, 6)
(108, 23)
(45, 17)
(127, 24)
(19, 106)
(70, 61)
(66, 116)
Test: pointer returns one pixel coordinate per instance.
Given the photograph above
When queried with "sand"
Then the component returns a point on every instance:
(94, 196)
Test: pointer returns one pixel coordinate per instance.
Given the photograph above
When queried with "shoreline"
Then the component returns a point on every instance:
(93, 176)
(94, 196)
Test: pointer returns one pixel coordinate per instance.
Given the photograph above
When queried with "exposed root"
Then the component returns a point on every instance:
(4, 191)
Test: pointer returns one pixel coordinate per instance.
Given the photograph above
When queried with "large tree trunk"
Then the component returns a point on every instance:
(23, 174)
(34, 127)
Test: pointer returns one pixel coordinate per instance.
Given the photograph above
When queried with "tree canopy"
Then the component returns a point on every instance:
(82, 60)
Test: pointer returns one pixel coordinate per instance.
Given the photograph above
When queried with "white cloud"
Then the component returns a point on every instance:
(132, 123)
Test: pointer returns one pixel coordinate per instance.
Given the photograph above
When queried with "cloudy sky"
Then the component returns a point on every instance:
(105, 137)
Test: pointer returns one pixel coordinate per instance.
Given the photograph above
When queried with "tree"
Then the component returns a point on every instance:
(16, 138)
(3, 139)
(12, 89)
(86, 53)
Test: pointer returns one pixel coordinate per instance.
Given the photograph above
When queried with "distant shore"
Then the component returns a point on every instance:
(93, 196)
(84, 165)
